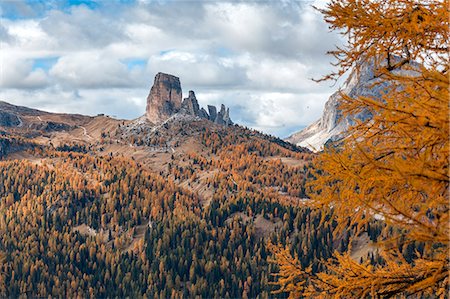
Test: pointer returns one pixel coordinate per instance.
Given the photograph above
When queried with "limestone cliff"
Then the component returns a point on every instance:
(332, 125)
(164, 99)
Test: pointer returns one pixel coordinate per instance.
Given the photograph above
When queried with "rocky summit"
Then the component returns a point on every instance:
(164, 101)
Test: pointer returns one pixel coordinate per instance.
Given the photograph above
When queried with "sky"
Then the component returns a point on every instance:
(90, 57)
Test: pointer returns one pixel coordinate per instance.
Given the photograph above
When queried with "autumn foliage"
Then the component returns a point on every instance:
(394, 167)
(75, 222)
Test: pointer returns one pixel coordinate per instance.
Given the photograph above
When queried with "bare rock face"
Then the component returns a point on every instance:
(212, 112)
(164, 99)
(333, 125)
(222, 117)
(203, 114)
(226, 117)
(190, 105)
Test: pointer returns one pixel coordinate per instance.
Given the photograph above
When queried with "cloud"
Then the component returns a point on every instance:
(277, 113)
(119, 102)
(279, 75)
(4, 35)
(256, 57)
(15, 73)
(202, 71)
(180, 18)
(27, 39)
(81, 28)
(290, 29)
(17, 9)
(91, 70)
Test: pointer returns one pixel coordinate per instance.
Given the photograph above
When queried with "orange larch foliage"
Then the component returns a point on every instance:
(394, 167)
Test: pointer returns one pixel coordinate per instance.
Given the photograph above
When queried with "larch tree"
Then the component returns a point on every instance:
(393, 167)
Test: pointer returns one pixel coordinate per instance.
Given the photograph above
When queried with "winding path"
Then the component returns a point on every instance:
(85, 132)
(20, 121)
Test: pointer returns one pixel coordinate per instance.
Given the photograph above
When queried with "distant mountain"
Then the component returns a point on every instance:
(164, 101)
(169, 121)
(332, 125)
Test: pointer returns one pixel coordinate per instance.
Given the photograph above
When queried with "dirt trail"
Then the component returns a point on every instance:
(85, 132)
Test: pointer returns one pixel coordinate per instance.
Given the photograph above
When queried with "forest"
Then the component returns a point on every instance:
(86, 225)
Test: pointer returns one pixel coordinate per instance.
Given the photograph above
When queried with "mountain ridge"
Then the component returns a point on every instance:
(363, 81)
(332, 125)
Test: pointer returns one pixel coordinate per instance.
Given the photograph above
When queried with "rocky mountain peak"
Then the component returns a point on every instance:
(332, 125)
(190, 104)
(164, 99)
(212, 112)
(223, 116)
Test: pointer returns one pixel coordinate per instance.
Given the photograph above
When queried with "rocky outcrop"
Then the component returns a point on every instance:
(203, 113)
(332, 125)
(8, 119)
(212, 112)
(223, 116)
(164, 99)
(190, 105)
(226, 117)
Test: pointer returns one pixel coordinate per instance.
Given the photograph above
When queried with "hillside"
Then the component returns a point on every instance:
(92, 215)
(179, 203)
(96, 206)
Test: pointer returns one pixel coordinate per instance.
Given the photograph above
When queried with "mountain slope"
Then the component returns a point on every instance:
(332, 125)
(101, 207)
(184, 210)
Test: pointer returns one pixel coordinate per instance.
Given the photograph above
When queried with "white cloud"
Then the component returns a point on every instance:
(27, 39)
(241, 26)
(82, 28)
(120, 102)
(256, 57)
(197, 70)
(277, 113)
(91, 70)
(141, 33)
(18, 73)
(280, 75)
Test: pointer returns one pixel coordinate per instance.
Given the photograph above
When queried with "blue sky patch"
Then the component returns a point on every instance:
(28, 9)
(44, 63)
(134, 62)
(223, 51)
(89, 3)
(164, 52)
